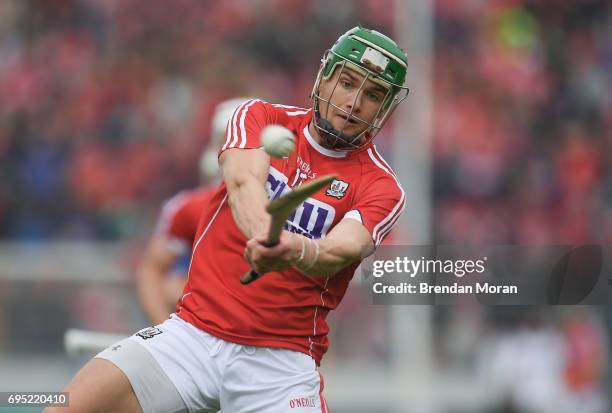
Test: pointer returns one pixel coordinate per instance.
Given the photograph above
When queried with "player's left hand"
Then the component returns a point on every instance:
(278, 258)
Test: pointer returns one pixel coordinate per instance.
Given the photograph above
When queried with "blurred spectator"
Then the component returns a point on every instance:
(586, 361)
(537, 365)
(522, 365)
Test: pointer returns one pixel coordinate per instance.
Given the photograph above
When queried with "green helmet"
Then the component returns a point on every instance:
(378, 58)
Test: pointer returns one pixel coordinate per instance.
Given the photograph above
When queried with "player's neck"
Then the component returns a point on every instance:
(314, 132)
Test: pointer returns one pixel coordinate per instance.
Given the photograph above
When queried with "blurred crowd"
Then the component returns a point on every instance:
(523, 114)
(105, 105)
(523, 155)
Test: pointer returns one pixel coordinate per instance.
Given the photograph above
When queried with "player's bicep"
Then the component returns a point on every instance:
(164, 252)
(159, 257)
(239, 166)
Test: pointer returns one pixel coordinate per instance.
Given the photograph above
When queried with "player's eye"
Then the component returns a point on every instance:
(347, 84)
(373, 96)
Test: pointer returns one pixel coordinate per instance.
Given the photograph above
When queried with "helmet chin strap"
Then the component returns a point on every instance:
(330, 135)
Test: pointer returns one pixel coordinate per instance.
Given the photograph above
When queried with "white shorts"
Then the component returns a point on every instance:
(212, 375)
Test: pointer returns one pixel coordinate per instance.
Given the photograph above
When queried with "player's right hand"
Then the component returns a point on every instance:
(280, 257)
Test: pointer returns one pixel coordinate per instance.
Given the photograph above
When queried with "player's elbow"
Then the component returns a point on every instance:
(237, 181)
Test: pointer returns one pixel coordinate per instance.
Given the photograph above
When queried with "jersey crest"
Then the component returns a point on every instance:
(337, 189)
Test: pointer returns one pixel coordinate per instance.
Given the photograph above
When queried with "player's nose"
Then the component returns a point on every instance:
(354, 101)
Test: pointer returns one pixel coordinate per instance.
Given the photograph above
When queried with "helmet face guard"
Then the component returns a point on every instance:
(375, 58)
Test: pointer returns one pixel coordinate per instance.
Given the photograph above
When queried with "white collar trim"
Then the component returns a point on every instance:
(321, 149)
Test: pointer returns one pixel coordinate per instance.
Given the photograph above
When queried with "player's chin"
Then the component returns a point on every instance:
(355, 137)
(340, 145)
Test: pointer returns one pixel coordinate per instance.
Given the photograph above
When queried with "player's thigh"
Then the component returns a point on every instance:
(155, 391)
(99, 386)
(264, 380)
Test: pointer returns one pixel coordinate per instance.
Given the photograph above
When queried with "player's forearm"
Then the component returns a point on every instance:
(245, 172)
(347, 243)
(152, 294)
(248, 199)
(326, 257)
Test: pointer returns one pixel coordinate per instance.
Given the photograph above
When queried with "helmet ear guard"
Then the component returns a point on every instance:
(378, 59)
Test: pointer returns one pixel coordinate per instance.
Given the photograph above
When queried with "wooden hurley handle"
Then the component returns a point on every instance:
(281, 208)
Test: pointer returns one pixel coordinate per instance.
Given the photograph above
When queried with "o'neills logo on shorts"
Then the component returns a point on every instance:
(149, 332)
(303, 402)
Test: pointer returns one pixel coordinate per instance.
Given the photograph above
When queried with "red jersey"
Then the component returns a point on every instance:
(285, 309)
(179, 217)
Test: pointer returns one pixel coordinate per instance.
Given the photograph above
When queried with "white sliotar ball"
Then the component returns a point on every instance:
(277, 141)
